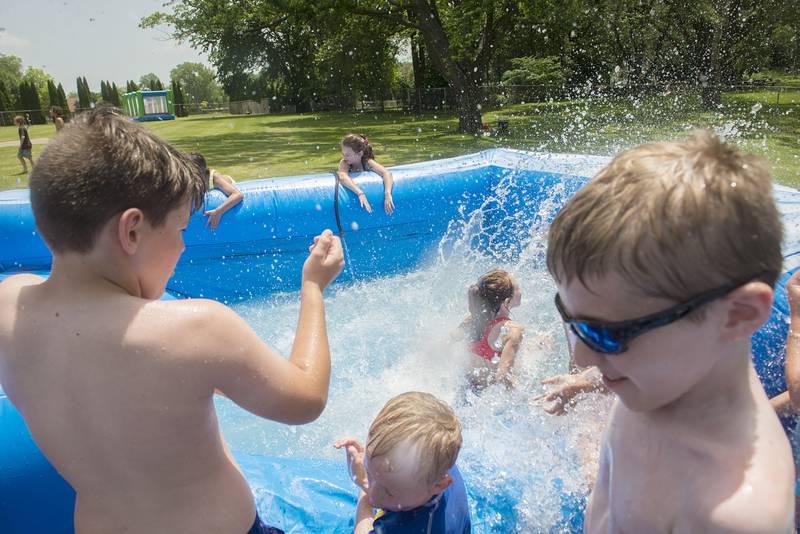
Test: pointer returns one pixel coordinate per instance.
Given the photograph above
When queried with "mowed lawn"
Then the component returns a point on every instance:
(264, 146)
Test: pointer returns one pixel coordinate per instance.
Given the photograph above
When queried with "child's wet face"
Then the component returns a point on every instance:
(162, 247)
(350, 156)
(661, 365)
(394, 484)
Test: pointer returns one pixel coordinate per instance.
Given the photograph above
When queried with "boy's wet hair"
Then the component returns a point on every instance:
(100, 166)
(424, 422)
(359, 143)
(57, 110)
(674, 219)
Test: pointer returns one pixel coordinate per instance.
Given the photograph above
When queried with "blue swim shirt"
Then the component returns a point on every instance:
(447, 513)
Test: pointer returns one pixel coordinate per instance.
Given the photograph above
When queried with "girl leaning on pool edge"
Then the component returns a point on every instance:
(357, 156)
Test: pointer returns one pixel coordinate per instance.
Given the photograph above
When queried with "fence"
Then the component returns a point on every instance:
(444, 99)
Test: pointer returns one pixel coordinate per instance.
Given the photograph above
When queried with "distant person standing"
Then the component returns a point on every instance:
(25, 145)
(56, 113)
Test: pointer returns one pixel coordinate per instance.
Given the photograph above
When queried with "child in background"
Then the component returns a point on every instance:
(664, 265)
(408, 470)
(55, 113)
(116, 386)
(493, 337)
(357, 156)
(25, 145)
(224, 183)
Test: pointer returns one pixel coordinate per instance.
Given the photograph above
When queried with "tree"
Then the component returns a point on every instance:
(62, 101)
(198, 82)
(132, 87)
(115, 98)
(460, 37)
(150, 82)
(52, 93)
(10, 74)
(6, 106)
(39, 79)
(85, 97)
(181, 109)
(29, 97)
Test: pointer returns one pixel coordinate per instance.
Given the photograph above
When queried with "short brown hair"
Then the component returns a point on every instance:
(423, 420)
(19, 119)
(674, 219)
(102, 165)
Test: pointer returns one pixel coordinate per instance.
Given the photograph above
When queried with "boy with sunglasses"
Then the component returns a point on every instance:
(664, 265)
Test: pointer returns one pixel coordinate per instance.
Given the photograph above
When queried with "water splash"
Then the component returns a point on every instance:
(392, 335)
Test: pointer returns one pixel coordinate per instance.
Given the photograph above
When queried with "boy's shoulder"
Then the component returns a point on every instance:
(10, 287)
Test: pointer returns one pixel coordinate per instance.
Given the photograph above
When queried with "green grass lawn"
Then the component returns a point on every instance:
(250, 147)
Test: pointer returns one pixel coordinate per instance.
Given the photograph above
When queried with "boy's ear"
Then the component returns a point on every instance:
(749, 307)
(129, 229)
(442, 484)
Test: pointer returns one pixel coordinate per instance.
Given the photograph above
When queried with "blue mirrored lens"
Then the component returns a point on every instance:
(598, 338)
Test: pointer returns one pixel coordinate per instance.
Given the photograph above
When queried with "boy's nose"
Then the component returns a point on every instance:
(584, 356)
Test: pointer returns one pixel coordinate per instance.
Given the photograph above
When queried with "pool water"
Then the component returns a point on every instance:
(391, 334)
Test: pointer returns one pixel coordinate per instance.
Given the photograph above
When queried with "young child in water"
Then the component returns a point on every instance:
(357, 156)
(224, 183)
(664, 265)
(408, 471)
(493, 337)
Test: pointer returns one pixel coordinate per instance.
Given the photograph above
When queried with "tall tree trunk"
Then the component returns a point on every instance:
(710, 95)
(464, 77)
(468, 98)
(418, 67)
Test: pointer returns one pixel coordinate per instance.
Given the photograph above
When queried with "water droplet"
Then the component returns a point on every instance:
(354, 226)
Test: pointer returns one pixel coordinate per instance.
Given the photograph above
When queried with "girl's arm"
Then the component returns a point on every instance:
(231, 191)
(782, 404)
(793, 341)
(344, 178)
(388, 184)
(508, 356)
(234, 197)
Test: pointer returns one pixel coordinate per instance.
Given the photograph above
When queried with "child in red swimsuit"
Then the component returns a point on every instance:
(492, 336)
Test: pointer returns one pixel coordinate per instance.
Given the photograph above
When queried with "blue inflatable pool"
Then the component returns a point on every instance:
(258, 251)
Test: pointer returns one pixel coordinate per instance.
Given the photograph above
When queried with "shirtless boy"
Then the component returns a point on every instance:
(116, 386)
(664, 265)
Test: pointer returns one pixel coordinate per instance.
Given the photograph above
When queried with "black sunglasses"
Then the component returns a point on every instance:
(613, 338)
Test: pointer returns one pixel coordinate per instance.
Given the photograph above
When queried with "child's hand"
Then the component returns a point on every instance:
(214, 216)
(362, 198)
(793, 292)
(388, 204)
(355, 461)
(325, 261)
(562, 395)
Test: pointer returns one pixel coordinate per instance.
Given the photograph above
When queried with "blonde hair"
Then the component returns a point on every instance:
(424, 421)
(674, 219)
(486, 297)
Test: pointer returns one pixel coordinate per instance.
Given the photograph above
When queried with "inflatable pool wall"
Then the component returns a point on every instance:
(259, 248)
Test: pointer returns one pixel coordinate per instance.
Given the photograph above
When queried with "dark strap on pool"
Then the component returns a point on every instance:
(336, 206)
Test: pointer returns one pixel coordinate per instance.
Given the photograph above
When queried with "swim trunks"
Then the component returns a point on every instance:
(260, 528)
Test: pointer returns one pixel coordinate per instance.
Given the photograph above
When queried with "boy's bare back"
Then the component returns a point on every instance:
(117, 392)
(117, 387)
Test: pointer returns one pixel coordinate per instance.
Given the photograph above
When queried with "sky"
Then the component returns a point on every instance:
(98, 39)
